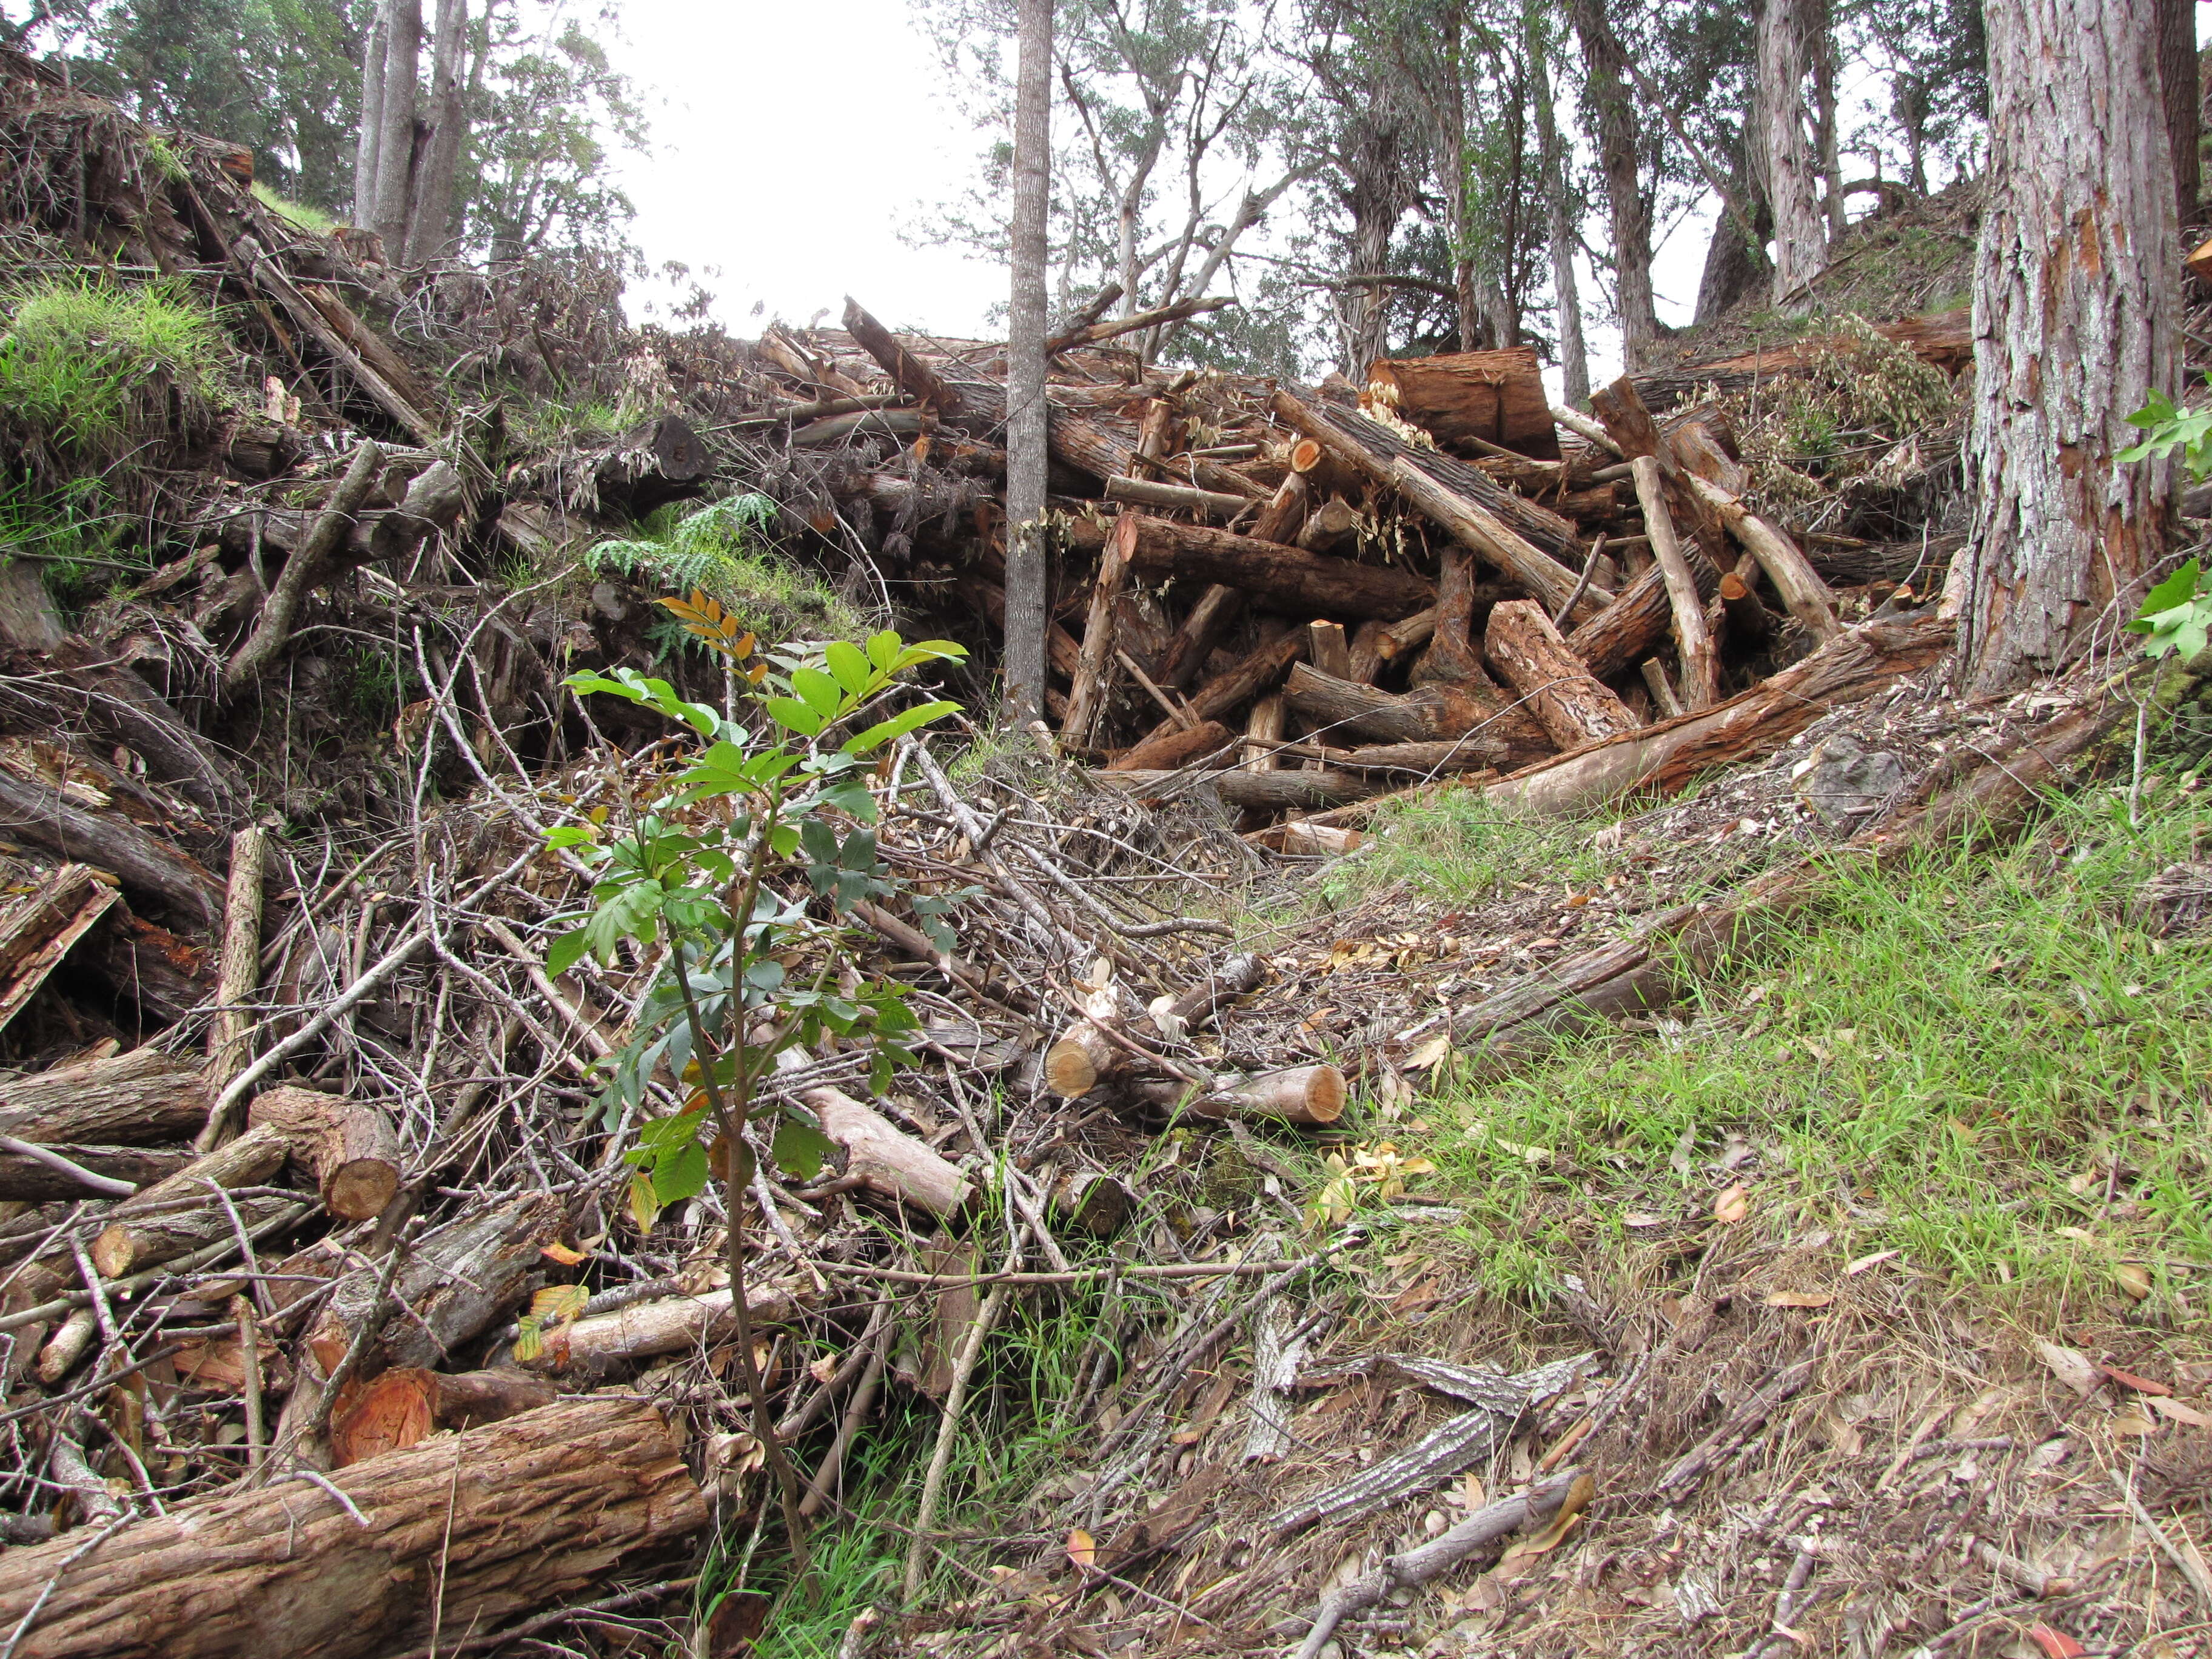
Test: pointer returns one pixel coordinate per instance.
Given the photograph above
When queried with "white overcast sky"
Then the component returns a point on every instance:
(791, 144)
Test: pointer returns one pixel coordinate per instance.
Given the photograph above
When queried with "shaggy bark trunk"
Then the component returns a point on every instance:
(430, 219)
(2074, 321)
(2177, 76)
(1567, 299)
(1027, 414)
(1801, 237)
(395, 141)
(1613, 118)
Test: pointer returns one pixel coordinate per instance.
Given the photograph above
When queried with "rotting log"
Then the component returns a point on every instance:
(100, 690)
(1186, 653)
(467, 1531)
(1268, 572)
(1268, 791)
(407, 1404)
(142, 1098)
(153, 868)
(1571, 705)
(351, 1149)
(656, 462)
(166, 975)
(1665, 757)
(1496, 397)
(42, 927)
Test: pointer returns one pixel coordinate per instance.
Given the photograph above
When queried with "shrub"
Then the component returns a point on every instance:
(719, 548)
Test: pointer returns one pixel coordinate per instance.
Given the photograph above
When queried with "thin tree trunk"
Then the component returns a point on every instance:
(371, 119)
(2075, 297)
(1801, 237)
(430, 223)
(1736, 264)
(395, 144)
(1828, 124)
(1613, 119)
(1026, 413)
(2177, 74)
(1574, 358)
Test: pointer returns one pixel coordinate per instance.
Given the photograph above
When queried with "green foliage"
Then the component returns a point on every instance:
(2171, 429)
(87, 364)
(2177, 615)
(719, 549)
(743, 865)
(1978, 1062)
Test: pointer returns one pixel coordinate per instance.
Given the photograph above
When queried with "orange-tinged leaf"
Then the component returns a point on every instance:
(1733, 1205)
(1082, 1549)
(564, 1255)
(2174, 1410)
(1799, 1299)
(2055, 1643)
(2128, 1379)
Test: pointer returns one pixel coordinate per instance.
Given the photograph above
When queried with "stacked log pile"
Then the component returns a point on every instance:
(1305, 598)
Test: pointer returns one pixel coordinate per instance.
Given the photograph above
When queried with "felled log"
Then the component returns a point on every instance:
(1284, 514)
(1328, 649)
(469, 1530)
(1571, 706)
(417, 421)
(1145, 492)
(40, 927)
(1302, 839)
(656, 462)
(1667, 756)
(592, 1345)
(1186, 653)
(1803, 592)
(1693, 640)
(877, 1157)
(39, 813)
(25, 1177)
(1165, 751)
(1312, 1095)
(1270, 790)
(1441, 709)
(1494, 396)
(1083, 1056)
(1268, 572)
(142, 1098)
(1634, 625)
(407, 1404)
(351, 1149)
(1254, 672)
(1750, 623)
(1327, 525)
(1368, 449)
(1638, 435)
(117, 705)
(1087, 691)
(1451, 654)
(180, 1214)
(1263, 730)
(166, 975)
(371, 347)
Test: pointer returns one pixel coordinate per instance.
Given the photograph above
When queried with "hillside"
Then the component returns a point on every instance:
(1514, 1069)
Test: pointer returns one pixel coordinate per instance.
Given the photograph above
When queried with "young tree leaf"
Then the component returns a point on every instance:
(897, 726)
(851, 669)
(798, 1150)
(681, 1175)
(566, 951)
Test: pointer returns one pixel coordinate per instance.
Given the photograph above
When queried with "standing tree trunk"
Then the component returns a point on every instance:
(2177, 76)
(1026, 412)
(1800, 235)
(372, 119)
(395, 142)
(1736, 264)
(1827, 124)
(1613, 117)
(1574, 358)
(430, 219)
(2075, 300)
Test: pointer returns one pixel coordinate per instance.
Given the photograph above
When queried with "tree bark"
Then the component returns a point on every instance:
(2177, 88)
(1186, 653)
(1801, 237)
(1165, 751)
(1558, 225)
(1271, 792)
(396, 157)
(1612, 115)
(1028, 415)
(430, 228)
(2075, 296)
(502, 1520)
(373, 50)
(405, 1405)
(351, 1148)
(1496, 397)
(1693, 640)
(1439, 710)
(1086, 695)
(1572, 707)
(108, 840)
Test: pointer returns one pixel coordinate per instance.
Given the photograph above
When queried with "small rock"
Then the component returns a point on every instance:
(1841, 780)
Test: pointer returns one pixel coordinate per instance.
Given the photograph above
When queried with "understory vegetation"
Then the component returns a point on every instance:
(722, 549)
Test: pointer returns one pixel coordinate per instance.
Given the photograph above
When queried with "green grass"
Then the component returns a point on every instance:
(86, 363)
(313, 219)
(1459, 847)
(1948, 1062)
